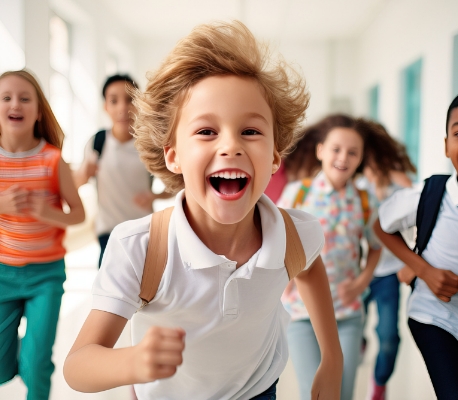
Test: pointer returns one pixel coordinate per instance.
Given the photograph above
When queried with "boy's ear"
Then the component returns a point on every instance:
(446, 148)
(276, 162)
(171, 160)
(319, 151)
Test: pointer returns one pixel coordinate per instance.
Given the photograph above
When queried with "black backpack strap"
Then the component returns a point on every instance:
(99, 141)
(428, 209)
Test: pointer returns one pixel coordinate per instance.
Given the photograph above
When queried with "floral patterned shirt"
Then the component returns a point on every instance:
(341, 216)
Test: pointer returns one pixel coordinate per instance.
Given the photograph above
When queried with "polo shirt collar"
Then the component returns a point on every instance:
(452, 188)
(196, 255)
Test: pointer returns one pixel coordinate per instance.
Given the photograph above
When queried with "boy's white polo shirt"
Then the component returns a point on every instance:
(234, 321)
(399, 213)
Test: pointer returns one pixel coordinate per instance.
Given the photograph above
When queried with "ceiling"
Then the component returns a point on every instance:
(277, 20)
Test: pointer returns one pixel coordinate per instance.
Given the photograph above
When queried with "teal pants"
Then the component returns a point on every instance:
(34, 292)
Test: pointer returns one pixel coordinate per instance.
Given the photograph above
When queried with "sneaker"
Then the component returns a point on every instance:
(376, 392)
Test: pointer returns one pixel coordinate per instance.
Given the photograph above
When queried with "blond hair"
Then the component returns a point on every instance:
(47, 127)
(211, 50)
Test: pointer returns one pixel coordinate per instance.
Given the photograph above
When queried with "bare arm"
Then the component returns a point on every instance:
(349, 289)
(87, 170)
(41, 210)
(92, 364)
(313, 287)
(442, 283)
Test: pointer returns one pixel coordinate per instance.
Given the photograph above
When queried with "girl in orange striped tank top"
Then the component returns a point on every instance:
(34, 183)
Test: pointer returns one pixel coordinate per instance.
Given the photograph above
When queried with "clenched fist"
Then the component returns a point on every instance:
(159, 354)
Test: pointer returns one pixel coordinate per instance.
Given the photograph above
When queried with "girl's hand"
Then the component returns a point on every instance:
(406, 275)
(327, 382)
(159, 354)
(13, 200)
(348, 291)
(37, 207)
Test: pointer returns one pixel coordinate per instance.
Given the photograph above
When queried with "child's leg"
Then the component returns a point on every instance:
(440, 352)
(45, 289)
(386, 293)
(350, 335)
(11, 310)
(305, 355)
(10, 317)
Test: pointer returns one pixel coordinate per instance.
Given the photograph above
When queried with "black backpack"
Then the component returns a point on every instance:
(99, 141)
(428, 210)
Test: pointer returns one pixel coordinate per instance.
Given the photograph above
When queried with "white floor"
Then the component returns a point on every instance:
(409, 382)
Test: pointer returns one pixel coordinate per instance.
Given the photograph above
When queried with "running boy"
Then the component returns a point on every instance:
(123, 183)
(214, 121)
(433, 305)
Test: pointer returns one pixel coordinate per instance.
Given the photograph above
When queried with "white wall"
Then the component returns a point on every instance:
(403, 32)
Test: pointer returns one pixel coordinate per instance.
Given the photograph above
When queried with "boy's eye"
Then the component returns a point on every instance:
(250, 132)
(335, 150)
(206, 132)
(6, 98)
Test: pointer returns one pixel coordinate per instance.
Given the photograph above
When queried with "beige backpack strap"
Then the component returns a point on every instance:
(156, 255)
(295, 256)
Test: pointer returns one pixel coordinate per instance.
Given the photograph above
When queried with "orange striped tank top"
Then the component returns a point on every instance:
(23, 239)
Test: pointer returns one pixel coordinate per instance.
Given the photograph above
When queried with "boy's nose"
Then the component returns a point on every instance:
(230, 146)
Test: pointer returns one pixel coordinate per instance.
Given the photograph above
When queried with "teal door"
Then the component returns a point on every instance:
(411, 81)
(373, 102)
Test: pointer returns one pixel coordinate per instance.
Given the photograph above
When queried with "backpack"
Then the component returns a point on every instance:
(305, 188)
(156, 253)
(99, 141)
(428, 211)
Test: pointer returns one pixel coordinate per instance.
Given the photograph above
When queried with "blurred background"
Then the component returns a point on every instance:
(395, 61)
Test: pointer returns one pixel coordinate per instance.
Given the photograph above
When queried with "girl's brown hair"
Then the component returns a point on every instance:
(384, 153)
(47, 127)
(211, 50)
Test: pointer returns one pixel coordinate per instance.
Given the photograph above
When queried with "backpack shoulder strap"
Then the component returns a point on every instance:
(303, 192)
(156, 255)
(99, 141)
(428, 209)
(364, 196)
(295, 259)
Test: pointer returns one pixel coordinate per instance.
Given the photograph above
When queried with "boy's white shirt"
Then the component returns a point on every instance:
(121, 176)
(234, 321)
(398, 213)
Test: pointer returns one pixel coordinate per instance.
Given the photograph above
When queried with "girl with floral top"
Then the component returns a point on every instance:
(345, 216)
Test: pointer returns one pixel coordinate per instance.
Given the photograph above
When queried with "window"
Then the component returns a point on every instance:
(411, 103)
(373, 102)
(61, 93)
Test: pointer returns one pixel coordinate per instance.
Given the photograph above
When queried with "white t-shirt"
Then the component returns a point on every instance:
(399, 213)
(120, 177)
(234, 321)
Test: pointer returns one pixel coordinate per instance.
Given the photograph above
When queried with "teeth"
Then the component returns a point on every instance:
(229, 175)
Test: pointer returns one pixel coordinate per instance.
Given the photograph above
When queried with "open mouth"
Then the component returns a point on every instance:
(15, 118)
(229, 183)
(340, 168)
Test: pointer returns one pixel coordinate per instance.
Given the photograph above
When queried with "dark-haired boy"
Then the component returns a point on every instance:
(123, 183)
(433, 305)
